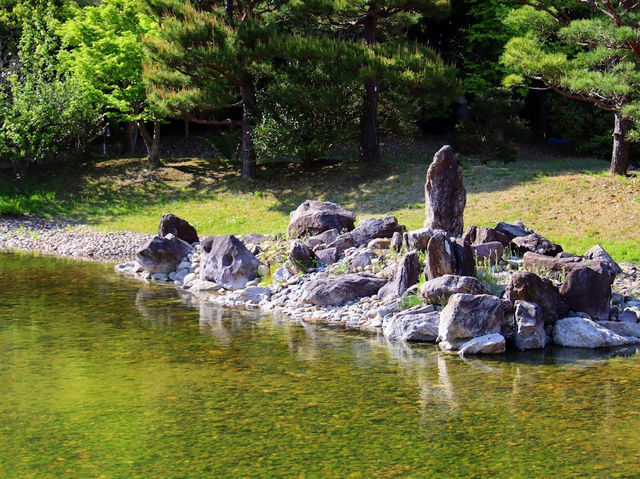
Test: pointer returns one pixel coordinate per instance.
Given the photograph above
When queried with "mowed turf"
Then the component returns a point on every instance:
(572, 201)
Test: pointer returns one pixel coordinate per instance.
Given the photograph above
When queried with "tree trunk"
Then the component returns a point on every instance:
(132, 137)
(369, 141)
(20, 174)
(152, 144)
(620, 157)
(248, 152)
(228, 6)
(186, 128)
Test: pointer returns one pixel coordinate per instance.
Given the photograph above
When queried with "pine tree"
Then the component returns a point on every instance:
(587, 50)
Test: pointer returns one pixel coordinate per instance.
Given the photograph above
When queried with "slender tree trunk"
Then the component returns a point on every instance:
(228, 5)
(152, 143)
(620, 157)
(20, 174)
(186, 128)
(248, 152)
(132, 137)
(369, 141)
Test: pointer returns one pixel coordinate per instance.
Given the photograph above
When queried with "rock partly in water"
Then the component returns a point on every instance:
(171, 224)
(529, 332)
(589, 292)
(419, 324)
(405, 275)
(445, 195)
(339, 290)
(440, 259)
(493, 343)
(226, 261)
(585, 333)
(526, 286)
(314, 217)
(535, 244)
(163, 254)
(622, 328)
(468, 316)
(439, 290)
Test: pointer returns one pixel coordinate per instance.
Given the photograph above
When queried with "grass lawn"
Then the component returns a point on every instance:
(572, 201)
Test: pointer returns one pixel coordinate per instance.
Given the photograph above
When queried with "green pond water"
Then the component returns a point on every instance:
(103, 376)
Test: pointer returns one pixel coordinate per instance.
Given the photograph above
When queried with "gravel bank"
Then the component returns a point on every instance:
(67, 239)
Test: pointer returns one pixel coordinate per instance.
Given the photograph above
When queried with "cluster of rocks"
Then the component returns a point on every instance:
(365, 276)
(67, 239)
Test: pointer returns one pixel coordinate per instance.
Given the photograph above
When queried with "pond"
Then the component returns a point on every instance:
(103, 376)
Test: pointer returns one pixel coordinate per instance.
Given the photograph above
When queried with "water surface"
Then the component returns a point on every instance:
(103, 376)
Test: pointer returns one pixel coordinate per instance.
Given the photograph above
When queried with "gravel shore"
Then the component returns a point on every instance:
(67, 239)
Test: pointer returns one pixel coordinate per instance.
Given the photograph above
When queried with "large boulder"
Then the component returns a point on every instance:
(602, 262)
(419, 239)
(445, 196)
(526, 286)
(513, 230)
(163, 254)
(493, 343)
(366, 231)
(226, 261)
(468, 316)
(406, 274)
(480, 235)
(301, 256)
(440, 259)
(313, 217)
(557, 267)
(535, 244)
(181, 229)
(419, 324)
(622, 328)
(339, 290)
(587, 291)
(327, 255)
(439, 290)
(529, 332)
(583, 333)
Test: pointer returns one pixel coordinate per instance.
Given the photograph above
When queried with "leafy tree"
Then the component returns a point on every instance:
(106, 52)
(43, 111)
(585, 50)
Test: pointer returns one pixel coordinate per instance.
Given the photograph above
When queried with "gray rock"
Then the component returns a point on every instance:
(405, 275)
(361, 260)
(179, 275)
(396, 242)
(281, 275)
(301, 256)
(252, 239)
(529, 332)
(526, 286)
(468, 316)
(160, 277)
(439, 290)
(477, 235)
(339, 290)
(324, 238)
(628, 316)
(440, 259)
(379, 243)
(513, 230)
(445, 196)
(419, 324)
(535, 244)
(621, 328)
(490, 253)
(253, 294)
(131, 267)
(314, 217)
(556, 267)
(587, 291)
(188, 278)
(226, 261)
(327, 255)
(419, 239)
(585, 333)
(372, 228)
(488, 344)
(163, 254)
(602, 262)
(171, 224)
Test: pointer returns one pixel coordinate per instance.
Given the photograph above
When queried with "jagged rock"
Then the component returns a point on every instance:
(490, 253)
(226, 261)
(181, 229)
(477, 235)
(163, 254)
(488, 344)
(557, 267)
(513, 230)
(419, 239)
(301, 256)
(536, 244)
(445, 196)
(585, 333)
(419, 324)
(396, 241)
(320, 240)
(529, 332)
(589, 292)
(439, 290)
(440, 259)
(339, 290)
(463, 258)
(602, 262)
(361, 260)
(314, 217)
(405, 275)
(468, 316)
(366, 231)
(327, 255)
(526, 286)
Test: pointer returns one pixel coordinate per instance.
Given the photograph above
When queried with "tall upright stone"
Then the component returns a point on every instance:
(445, 196)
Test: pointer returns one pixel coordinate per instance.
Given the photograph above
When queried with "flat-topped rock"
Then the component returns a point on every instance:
(419, 324)
(339, 290)
(439, 290)
(314, 217)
